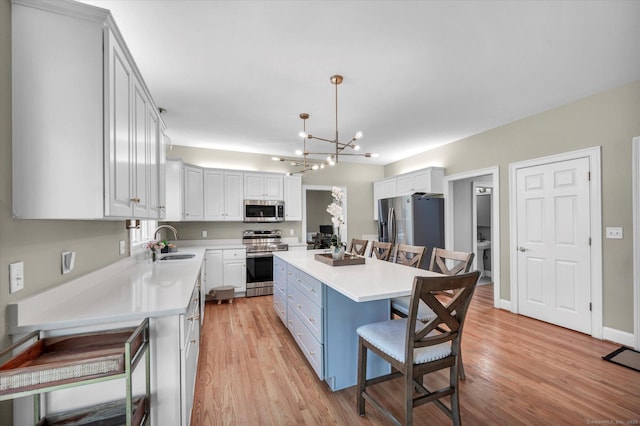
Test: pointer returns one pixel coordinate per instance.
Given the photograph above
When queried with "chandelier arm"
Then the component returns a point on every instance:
(320, 139)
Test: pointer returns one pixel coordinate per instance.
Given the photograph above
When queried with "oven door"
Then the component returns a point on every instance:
(259, 274)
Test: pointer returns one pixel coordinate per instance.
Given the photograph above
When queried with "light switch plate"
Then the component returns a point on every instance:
(204, 234)
(614, 232)
(122, 247)
(16, 277)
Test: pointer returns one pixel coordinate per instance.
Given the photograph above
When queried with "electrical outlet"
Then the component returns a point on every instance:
(122, 247)
(204, 234)
(614, 232)
(16, 277)
(291, 232)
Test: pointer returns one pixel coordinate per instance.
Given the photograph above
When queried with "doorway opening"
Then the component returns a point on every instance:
(463, 230)
(316, 221)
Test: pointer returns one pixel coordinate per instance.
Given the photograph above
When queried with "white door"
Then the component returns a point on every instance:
(553, 223)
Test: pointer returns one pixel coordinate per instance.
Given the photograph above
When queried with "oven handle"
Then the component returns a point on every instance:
(263, 254)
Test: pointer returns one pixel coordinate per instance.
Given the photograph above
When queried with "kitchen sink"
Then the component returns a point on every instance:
(177, 256)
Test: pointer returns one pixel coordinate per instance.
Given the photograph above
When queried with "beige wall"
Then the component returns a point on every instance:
(356, 177)
(610, 120)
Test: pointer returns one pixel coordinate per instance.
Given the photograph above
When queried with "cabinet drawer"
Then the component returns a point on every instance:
(234, 254)
(311, 348)
(280, 305)
(309, 286)
(279, 266)
(309, 313)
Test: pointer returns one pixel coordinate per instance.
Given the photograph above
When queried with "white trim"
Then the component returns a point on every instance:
(622, 337)
(595, 195)
(305, 188)
(495, 220)
(505, 304)
(636, 240)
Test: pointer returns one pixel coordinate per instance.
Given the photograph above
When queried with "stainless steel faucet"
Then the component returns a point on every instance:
(175, 232)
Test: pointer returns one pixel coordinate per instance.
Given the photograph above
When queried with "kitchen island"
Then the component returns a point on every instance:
(323, 305)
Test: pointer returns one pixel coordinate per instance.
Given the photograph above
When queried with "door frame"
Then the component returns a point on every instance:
(344, 236)
(636, 239)
(474, 219)
(595, 200)
(495, 220)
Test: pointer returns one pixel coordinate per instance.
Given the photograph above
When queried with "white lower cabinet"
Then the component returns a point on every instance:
(226, 267)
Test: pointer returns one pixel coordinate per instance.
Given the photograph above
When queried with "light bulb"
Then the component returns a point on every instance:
(356, 147)
(298, 152)
(275, 158)
(375, 155)
(358, 135)
(322, 166)
(315, 167)
(302, 134)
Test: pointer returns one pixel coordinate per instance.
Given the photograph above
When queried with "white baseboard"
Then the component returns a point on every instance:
(505, 304)
(617, 336)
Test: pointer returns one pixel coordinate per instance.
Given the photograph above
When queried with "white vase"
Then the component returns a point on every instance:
(337, 253)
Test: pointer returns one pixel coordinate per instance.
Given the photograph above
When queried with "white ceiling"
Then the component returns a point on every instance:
(234, 75)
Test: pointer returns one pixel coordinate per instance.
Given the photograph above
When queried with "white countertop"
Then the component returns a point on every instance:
(375, 280)
(127, 290)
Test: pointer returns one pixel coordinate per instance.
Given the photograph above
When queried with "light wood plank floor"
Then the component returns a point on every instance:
(519, 371)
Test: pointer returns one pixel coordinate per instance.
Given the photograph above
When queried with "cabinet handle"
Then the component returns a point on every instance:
(299, 334)
(194, 317)
(312, 353)
(311, 319)
(290, 297)
(135, 200)
(193, 341)
(290, 322)
(312, 290)
(298, 305)
(195, 299)
(298, 280)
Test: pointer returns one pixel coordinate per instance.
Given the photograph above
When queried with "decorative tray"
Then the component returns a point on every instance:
(348, 259)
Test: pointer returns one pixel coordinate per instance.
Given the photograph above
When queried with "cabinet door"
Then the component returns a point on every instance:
(234, 196)
(273, 188)
(214, 270)
(382, 189)
(235, 274)
(120, 150)
(293, 198)
(156, 205)
(174, 187)
(140, 163)
(404, 185)
(214, 199)
(253, 186)
(193, 193)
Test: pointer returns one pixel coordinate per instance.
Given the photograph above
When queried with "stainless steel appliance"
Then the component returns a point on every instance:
(263, 211)
(416, 219)
(260, 247)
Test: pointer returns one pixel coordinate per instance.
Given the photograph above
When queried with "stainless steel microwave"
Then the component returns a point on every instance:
(263, 211)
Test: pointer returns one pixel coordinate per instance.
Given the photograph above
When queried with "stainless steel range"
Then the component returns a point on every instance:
(260, 247)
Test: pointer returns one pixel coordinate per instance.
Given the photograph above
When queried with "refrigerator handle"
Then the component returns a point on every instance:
(392, 226)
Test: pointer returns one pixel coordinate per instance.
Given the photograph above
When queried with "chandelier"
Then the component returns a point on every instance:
(338, 148)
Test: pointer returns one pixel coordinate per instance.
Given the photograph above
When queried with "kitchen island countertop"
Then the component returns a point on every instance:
(375, 280)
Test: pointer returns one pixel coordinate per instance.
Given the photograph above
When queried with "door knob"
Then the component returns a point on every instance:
(522, 249)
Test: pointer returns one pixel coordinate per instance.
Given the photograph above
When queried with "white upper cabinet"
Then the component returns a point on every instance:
(86, 133)
(174, 189)
(293, 198)
(223, 195)
(428, 180)
(193, 193)
(263, 186)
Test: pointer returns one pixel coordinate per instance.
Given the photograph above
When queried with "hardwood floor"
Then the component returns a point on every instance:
(519, 371)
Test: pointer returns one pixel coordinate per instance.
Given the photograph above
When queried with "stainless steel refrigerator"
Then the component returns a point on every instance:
(413, 219)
